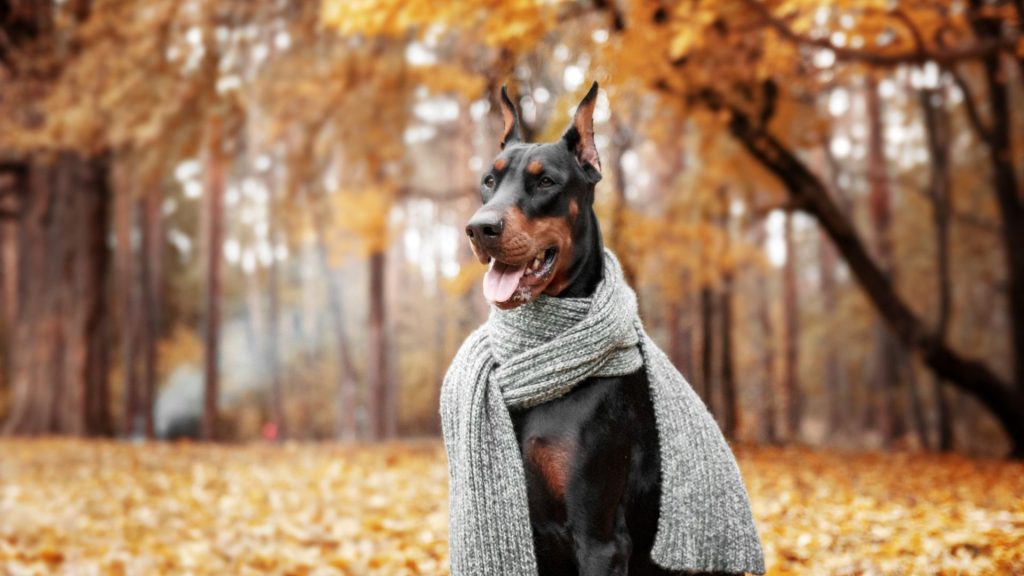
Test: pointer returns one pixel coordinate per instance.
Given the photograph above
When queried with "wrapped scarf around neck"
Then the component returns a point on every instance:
(540, 351)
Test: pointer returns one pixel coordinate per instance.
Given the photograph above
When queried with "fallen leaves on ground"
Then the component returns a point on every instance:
(849, 514)
(79, 508)
(76, 507)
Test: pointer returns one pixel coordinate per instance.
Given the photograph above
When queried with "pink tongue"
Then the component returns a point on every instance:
(501, 281)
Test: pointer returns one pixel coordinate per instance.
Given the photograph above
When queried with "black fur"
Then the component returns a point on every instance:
(605, 524)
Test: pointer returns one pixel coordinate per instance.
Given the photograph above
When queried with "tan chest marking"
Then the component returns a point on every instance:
(553, 459)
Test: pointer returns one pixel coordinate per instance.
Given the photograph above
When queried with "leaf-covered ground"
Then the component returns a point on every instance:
(73, 507)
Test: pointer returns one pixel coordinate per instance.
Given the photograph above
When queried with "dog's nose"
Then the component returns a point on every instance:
(485, 227)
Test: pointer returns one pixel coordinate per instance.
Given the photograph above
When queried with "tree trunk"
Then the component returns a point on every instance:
(212, 232)
(139, 329)
(791, 343)
(1004, 179)
(273, 341)
(441, 330)
(937, 132)
(769, 430)
(383, 417)
(885, 374)
(9, 209)
(152, 255)
(61, 334)
(730, 400)
(835, 383)
(127, 287)
(137, 231)
(916, 403)
(1011, 207)
(707, 358)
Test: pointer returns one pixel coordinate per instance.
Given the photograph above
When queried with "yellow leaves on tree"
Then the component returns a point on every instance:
(510, 24)
(129, 85)
(447, 79)
(364, 214)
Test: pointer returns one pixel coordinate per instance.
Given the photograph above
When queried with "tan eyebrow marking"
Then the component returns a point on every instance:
(535, 167)
(500, 164)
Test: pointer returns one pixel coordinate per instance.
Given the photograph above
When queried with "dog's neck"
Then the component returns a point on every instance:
(587, 267)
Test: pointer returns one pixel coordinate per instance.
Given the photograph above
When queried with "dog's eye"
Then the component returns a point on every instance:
(489, 181)
(546, 182)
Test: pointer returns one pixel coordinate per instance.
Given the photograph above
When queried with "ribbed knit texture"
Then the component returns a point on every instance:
(540, 351)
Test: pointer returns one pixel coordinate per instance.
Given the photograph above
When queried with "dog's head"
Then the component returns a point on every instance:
(537, 207)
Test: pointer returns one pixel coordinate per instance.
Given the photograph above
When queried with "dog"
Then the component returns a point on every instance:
(591, 456)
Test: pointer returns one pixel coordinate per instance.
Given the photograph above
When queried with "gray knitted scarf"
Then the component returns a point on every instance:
(540, 351)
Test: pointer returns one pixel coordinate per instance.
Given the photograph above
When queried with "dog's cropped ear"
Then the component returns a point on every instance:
(510, 135)
(580, 135)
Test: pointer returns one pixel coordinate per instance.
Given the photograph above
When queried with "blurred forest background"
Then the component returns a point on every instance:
(235, 219)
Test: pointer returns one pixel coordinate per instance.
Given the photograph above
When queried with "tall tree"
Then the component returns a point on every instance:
(730, 397)
(138, 234)
(152, 255)
(937, 133)
(767, 393)
(60, 337)
(989, 25)
(273, 340)
(125, 219)
(836, 382)
(212, 246)
(791, 341)
(885, 411)
(680, 347)
(381, 388)
(707, 348)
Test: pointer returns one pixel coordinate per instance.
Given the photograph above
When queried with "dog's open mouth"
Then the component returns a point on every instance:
(503, 282)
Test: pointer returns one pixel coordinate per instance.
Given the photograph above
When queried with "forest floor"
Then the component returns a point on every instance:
(77, 507)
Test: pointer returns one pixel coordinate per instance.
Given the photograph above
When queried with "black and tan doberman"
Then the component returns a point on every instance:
(591, 456)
